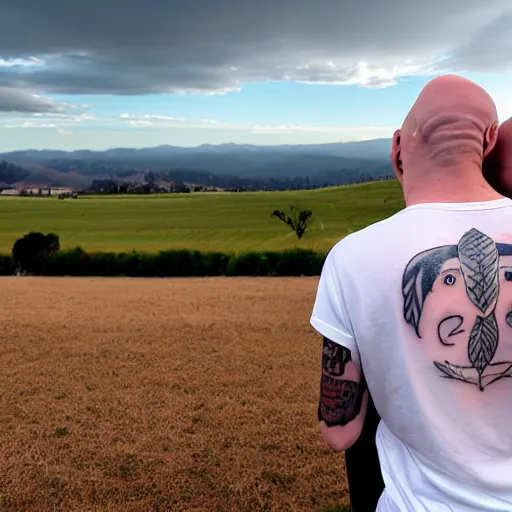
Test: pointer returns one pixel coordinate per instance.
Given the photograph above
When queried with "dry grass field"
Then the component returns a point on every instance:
(162, 395)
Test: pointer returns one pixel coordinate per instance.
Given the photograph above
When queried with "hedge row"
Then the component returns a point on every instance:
(178, 263)
(7, 265)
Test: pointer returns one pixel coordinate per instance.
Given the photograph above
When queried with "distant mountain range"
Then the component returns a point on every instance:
(225, 165)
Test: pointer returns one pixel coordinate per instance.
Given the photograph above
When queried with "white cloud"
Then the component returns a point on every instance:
(363, 73)
(140, 123)
(48, 120)
(503, 100)
(159, 117)
(21, 62)
(153, 121)
(294, 128)
(27, 124)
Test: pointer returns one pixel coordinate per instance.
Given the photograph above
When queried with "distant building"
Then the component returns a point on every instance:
(57, 191)
(36, 191)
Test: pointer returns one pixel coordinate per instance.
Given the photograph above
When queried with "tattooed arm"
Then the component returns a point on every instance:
(343, 397)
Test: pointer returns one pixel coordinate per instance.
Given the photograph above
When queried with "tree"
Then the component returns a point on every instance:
(179, 187)
(150, 178)
(298, 220)
(32, 248)
(100, 186)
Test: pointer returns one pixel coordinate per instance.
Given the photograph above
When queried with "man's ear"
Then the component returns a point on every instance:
(396, 160)
(490, 138)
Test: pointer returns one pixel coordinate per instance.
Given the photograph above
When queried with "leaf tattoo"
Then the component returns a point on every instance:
(493, 376)
(478, 257)
(450, 370)
(483, 342)
(418, 279)
(453, 371)
(413, 298)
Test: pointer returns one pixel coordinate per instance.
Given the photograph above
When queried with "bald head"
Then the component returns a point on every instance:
(498, 165)
(453, 122)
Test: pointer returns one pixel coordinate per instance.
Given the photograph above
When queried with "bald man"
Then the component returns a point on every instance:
(420, 305)
(362, 462)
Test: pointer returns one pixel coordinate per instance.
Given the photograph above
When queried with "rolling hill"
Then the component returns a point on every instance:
(204, 221)
(226, 165)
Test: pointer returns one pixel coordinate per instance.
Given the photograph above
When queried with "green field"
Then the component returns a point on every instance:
(204, 221)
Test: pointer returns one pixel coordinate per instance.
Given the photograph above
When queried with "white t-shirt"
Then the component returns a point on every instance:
(424, 302)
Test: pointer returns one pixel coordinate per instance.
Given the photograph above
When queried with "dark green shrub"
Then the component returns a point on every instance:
(216, 263)
(73, 262)
(134, 264)
(176, 263)
(103, 264)
(180, 263)
(249, 264)
(274, 261)
(7, 265)
(30, 251)
(300, 262)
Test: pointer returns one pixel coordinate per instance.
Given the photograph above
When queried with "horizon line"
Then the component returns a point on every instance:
(192, 147)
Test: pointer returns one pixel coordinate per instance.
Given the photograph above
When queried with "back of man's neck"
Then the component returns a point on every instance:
(448, 186)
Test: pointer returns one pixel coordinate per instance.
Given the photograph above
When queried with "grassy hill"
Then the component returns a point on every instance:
(204, 221)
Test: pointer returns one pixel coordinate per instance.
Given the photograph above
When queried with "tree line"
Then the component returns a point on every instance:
(184, 181)
(40, 254)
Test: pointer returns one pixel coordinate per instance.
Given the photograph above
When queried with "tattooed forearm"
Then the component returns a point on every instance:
(334, 358)
(340, 399)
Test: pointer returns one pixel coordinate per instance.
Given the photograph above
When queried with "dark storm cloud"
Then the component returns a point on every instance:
(134, 47)
(13, 100)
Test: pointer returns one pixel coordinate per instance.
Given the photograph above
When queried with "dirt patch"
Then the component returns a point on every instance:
(157, 395)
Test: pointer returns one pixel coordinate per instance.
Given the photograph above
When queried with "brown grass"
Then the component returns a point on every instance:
(161, 395)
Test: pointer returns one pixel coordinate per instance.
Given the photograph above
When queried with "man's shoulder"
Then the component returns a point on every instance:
(373, 237)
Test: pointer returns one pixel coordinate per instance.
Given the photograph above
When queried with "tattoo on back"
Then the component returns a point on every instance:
(340, 399)
(482, 270)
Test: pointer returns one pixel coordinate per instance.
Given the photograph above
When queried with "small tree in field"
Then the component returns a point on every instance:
(298, 220)
(32, 248)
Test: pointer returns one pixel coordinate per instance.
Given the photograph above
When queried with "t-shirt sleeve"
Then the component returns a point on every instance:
(330, 316)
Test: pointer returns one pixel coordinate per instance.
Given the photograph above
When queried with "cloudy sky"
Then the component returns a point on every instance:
(110, 73)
